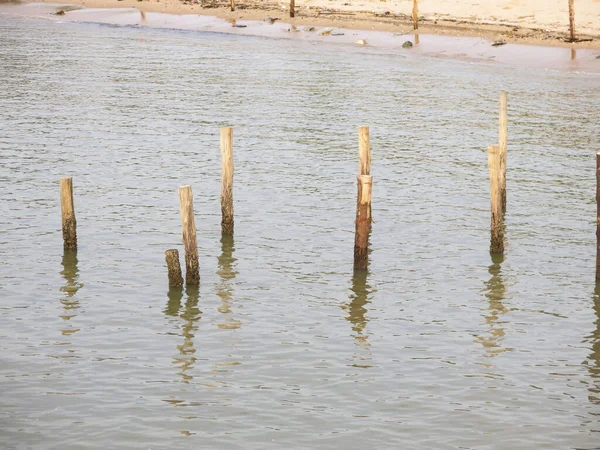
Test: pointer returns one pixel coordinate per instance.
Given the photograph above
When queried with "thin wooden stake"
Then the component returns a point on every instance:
(572, 19)
(415, 14)
(502, 141)
(292, 8)
(233, 5)
(497, 231)
(597, 216)
(364, 151)
(69, 224)
(227, 181)
(174, 268)
(363, 222)
(188, 228)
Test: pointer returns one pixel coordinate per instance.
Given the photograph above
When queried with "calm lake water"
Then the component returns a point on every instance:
(438, 346)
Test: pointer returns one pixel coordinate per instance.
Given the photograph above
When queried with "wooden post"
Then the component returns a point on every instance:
(363, 222)
(173, 267)
(415, 14)
(292, 7)
(572, 19)
(227, 181)
(497, 232)
(233, 5)
(597, 216)
(502, 139)
(364, 151)
(188, 228)
(69, 224)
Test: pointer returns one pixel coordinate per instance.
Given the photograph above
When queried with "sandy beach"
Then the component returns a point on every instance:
(537, 22)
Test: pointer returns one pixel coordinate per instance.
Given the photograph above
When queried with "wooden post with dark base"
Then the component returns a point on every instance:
(572, 20)
(69, 224)
(227, 181)
(502, 141)
(363, 222)
(233, 5)
(292, 8)
(188, 228)
(497, 231)
(598, 216)
(415, 14)
(174, 268)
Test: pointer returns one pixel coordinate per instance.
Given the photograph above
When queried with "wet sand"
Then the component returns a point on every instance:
(476, 48)
(539, 22)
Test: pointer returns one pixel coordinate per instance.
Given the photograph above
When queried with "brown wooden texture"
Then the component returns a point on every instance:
(363, 222)
(497, 231)
(233, 5)
(227, 181)
(572, 19)
(364, 151)
(415, 14)
(502, 141)
(174, 268)
(292, 8)
(69, 224)
(188, 229)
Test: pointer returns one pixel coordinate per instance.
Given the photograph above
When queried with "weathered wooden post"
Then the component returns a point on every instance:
(597, 216)
(174, 268)
(364, 161)
(69, 224)
(233, 5)
(502, 141)
(188, 228)
(415, 14)
(572, 19)
(292, 8)
(364, 151)
(497, 232)
(227, 181)
(363, 222)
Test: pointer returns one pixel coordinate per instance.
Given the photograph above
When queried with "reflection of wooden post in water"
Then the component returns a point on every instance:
(502, 142)
(497, 232)
(226, 272)
(593, 362)
(495, 291)
(415, 14)
(188, 228)
(597, 216)
(573, 54)
(416, 39)
(363, 225)
(227, 181)
(70, 273)
(190, 316)
(356, 309)
(69, 224)
(572, 20)
(173, 268)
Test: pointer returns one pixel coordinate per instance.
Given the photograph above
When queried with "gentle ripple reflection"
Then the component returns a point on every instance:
(282, 346)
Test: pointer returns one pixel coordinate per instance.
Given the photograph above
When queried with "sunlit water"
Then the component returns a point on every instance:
(437, 347)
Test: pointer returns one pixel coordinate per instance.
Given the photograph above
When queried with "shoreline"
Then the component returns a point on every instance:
(358, 18)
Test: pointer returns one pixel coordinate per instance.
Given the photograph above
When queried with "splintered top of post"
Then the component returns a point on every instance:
(66, 178)
(186, 186)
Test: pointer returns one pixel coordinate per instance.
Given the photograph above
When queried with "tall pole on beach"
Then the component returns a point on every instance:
(227, 181)
(188, 235)
(502, 139)
(572, 19)
(292, 7)
(415, 14)
(69, 224)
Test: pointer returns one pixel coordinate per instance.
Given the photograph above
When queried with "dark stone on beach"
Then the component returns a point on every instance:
(241, 26)
(598, 57)
(498, 43)
(309, 29)
(337, 33)
(60, 13)
(407, 44)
